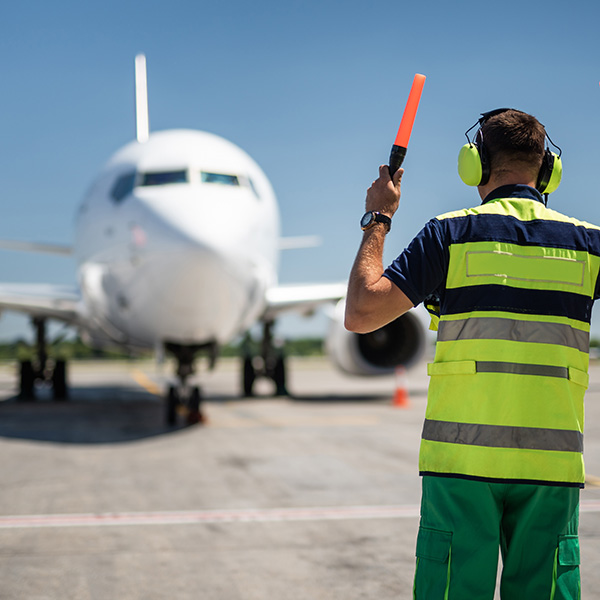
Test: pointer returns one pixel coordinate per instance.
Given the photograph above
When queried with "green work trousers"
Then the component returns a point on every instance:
(464, 524)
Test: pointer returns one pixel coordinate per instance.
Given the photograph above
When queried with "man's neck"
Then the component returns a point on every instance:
(503, 179)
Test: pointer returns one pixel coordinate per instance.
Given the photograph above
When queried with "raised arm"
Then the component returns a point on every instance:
(373, 300)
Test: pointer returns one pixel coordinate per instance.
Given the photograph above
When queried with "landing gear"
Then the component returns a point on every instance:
(183, 398)
(53, 373)
(270, 363)
(186, 401)
(59, 380)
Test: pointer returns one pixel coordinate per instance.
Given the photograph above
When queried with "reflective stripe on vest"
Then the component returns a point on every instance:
(494, 328)
(502, 436)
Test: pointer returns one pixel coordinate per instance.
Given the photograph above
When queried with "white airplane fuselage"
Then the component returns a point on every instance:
(176, 241)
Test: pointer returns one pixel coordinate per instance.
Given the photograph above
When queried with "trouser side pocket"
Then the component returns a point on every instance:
(566, 579)
(432, 575)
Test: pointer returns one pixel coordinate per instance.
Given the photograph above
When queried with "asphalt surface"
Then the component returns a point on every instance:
(310, 497)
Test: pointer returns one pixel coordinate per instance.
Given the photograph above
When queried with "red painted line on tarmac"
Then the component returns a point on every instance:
(266, 515)
(589, 506)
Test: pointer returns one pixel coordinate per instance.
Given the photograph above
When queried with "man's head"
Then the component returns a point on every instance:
(514, 142)
(509, 148)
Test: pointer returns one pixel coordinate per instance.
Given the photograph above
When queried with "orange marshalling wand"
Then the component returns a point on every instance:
(408, 118)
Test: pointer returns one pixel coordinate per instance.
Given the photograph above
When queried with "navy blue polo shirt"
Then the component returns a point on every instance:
(421, 269)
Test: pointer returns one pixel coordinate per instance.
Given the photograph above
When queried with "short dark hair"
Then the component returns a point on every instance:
(514, 140)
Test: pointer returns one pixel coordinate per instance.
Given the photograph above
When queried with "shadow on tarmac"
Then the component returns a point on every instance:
(90, 416)
(112, 414)
(350, 398)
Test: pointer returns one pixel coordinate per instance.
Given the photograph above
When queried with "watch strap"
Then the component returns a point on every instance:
(377, 217)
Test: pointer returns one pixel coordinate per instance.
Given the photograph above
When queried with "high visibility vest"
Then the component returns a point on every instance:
(507, 383)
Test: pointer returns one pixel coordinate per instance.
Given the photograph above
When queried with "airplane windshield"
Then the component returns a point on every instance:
(220, 178)
(123, 186)
(164, 178)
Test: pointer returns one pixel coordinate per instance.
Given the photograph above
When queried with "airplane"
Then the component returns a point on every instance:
(177, 246)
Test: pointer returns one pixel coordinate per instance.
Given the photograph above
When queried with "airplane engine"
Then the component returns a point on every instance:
(400, 343)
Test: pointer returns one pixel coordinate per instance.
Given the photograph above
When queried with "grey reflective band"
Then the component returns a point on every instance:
(521, 369)
(503, 436)
(495, 328)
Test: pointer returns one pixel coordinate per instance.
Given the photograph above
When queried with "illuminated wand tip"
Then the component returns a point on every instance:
(410, 112)
(406, 125)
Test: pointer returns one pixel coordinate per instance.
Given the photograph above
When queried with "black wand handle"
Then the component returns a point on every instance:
(396, 158)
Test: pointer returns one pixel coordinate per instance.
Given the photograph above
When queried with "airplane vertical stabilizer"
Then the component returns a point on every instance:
(141, 99)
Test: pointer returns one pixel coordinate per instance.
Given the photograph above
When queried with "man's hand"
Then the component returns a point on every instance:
(384, 194)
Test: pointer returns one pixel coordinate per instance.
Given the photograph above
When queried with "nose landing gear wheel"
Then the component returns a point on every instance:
(172, 403)
(186, 400)
(194, 413)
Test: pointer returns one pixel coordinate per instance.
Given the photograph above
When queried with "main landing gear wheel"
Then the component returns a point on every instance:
(248, 377)
(59, 380)
(41, 368)
(269, 364)
(27, 381)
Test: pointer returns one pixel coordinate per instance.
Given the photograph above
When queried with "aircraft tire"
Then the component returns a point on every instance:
(59, 380)
(249, 375)
(27, 381)
(279, 377)
(194, 412)
(171, 405)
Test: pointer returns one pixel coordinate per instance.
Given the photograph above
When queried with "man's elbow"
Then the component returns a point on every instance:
(358, 321)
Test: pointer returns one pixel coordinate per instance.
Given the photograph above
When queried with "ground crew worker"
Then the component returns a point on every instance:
(513, 284)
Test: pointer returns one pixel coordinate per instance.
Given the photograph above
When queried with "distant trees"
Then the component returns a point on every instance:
(75, 349)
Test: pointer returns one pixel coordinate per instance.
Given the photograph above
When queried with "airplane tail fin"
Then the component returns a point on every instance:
(141, 99)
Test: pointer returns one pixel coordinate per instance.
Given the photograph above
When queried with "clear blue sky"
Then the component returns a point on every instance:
(314, 91)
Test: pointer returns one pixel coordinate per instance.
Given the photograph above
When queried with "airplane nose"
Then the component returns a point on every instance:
(219, 221)
(204, 269)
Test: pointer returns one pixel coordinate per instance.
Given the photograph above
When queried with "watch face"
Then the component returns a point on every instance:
(367, 219)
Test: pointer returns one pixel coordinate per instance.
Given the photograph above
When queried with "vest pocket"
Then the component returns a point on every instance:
(455, 367)
(432, 575)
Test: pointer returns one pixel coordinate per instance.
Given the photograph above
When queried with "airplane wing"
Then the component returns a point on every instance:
(42, 300)
(45, 248)
(303, 299)
(300, 241)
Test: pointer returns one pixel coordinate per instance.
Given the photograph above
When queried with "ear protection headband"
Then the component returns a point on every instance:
(474, 165)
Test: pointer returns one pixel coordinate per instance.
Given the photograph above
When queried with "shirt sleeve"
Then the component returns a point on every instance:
(422, 267)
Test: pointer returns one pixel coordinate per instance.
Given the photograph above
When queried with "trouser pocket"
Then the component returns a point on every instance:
(432, 574)
(566, 579)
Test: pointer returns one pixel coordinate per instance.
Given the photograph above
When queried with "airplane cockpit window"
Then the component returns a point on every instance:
(163, 178)
(123, 186)
(253, 188)
(219, 178)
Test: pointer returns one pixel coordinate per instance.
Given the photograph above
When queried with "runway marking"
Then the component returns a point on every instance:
(268, 515)
(144, 381)
(592, 481)
(249, 515)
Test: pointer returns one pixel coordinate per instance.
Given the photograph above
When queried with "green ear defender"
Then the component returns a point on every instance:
(550, 173)
(473, 163)
(470, 167)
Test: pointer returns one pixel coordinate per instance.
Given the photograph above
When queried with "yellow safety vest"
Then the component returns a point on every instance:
(510, 371)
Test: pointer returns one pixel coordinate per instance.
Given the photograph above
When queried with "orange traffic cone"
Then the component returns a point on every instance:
(401, 394)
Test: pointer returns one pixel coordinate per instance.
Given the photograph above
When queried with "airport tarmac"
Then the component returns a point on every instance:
(311, 497)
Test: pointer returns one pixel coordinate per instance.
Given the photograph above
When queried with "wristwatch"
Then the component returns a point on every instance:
(370, 218)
